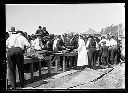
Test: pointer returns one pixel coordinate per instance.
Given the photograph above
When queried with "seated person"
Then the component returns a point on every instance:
(37, 44)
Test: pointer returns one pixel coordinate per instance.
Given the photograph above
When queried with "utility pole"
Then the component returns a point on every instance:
(68, 32)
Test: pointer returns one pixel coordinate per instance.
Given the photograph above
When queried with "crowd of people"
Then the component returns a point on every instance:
(92, 50)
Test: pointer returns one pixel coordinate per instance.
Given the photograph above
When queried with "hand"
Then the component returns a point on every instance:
(63, 47)
(75, 50)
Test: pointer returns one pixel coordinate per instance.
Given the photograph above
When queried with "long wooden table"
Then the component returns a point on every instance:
(64, 55)
(31, 61)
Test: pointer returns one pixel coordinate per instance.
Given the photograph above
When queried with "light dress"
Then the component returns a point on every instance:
(82, 53)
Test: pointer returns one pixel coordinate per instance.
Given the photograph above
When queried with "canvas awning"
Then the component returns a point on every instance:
(91, 31)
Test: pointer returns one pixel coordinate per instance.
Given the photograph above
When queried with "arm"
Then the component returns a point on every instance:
(87, 44)
(100, 42)
(7, 43)
(58, 45)
(26, 43)
(97, 47)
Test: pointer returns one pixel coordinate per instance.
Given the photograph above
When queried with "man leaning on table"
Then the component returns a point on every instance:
(15, 44)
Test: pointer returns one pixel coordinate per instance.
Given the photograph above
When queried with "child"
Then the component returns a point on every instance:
(104, 54)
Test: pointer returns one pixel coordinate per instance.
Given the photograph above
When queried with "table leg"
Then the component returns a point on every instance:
(98, 61)
(63, 63)
(31, 68)
(49, 67)
(56, 65)
(70, 62)
(40, 68)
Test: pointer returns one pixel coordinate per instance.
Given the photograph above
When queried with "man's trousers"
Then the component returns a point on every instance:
(15, 57)
(92, 57)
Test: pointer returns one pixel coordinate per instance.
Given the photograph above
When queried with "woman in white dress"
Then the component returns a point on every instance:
(82, 53)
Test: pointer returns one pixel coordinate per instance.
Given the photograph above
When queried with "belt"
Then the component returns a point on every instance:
(14, 47)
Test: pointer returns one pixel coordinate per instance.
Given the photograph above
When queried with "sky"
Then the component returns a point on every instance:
(61, 18)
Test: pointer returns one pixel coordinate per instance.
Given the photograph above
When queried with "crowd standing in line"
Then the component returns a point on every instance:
(92, 50)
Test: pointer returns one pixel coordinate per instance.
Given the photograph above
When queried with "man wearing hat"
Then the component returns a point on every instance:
(113, 50)
(104, 53)
(12, 31)
(45, 32)
(38, 45)
(91, 45)
(40, 30)
(50, 42)
(15, 44)
(102, 41)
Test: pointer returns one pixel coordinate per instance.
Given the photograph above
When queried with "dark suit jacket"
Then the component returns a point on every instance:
(104, 51)
(59, 45)
(50, 45)
(74, 43)
(39, 31)
(45, 33)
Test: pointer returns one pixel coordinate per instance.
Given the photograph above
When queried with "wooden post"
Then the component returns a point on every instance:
(7, 75)
(40, 67)
(31, 68)
(98, 61)
(63, 63)
(56, 65)
(49, 66)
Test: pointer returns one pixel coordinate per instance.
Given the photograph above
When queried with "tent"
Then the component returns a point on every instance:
(91, 32)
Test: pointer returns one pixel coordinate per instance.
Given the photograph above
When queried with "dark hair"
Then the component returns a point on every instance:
(90, 36)
(112, 37)
(40, 27)
(103, 37)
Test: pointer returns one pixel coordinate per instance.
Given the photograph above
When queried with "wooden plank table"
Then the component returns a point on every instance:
(64, 55)
(31, 61)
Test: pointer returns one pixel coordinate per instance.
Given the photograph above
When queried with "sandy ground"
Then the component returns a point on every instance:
(84, 79)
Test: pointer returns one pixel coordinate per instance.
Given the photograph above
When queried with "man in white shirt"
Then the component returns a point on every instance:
(103, 40)
(16, 44)
(55, 49)
(113, 50)
(38, 43)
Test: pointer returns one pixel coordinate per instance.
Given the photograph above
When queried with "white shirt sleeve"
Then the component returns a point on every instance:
(7, 43)
(115, 43)
(87, 44)
(26, 43)
(100, 41)
(97, 46)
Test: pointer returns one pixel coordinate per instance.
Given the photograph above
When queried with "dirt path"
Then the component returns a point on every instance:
(109, 78)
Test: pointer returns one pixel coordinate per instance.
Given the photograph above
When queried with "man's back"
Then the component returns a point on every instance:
(17, 40)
